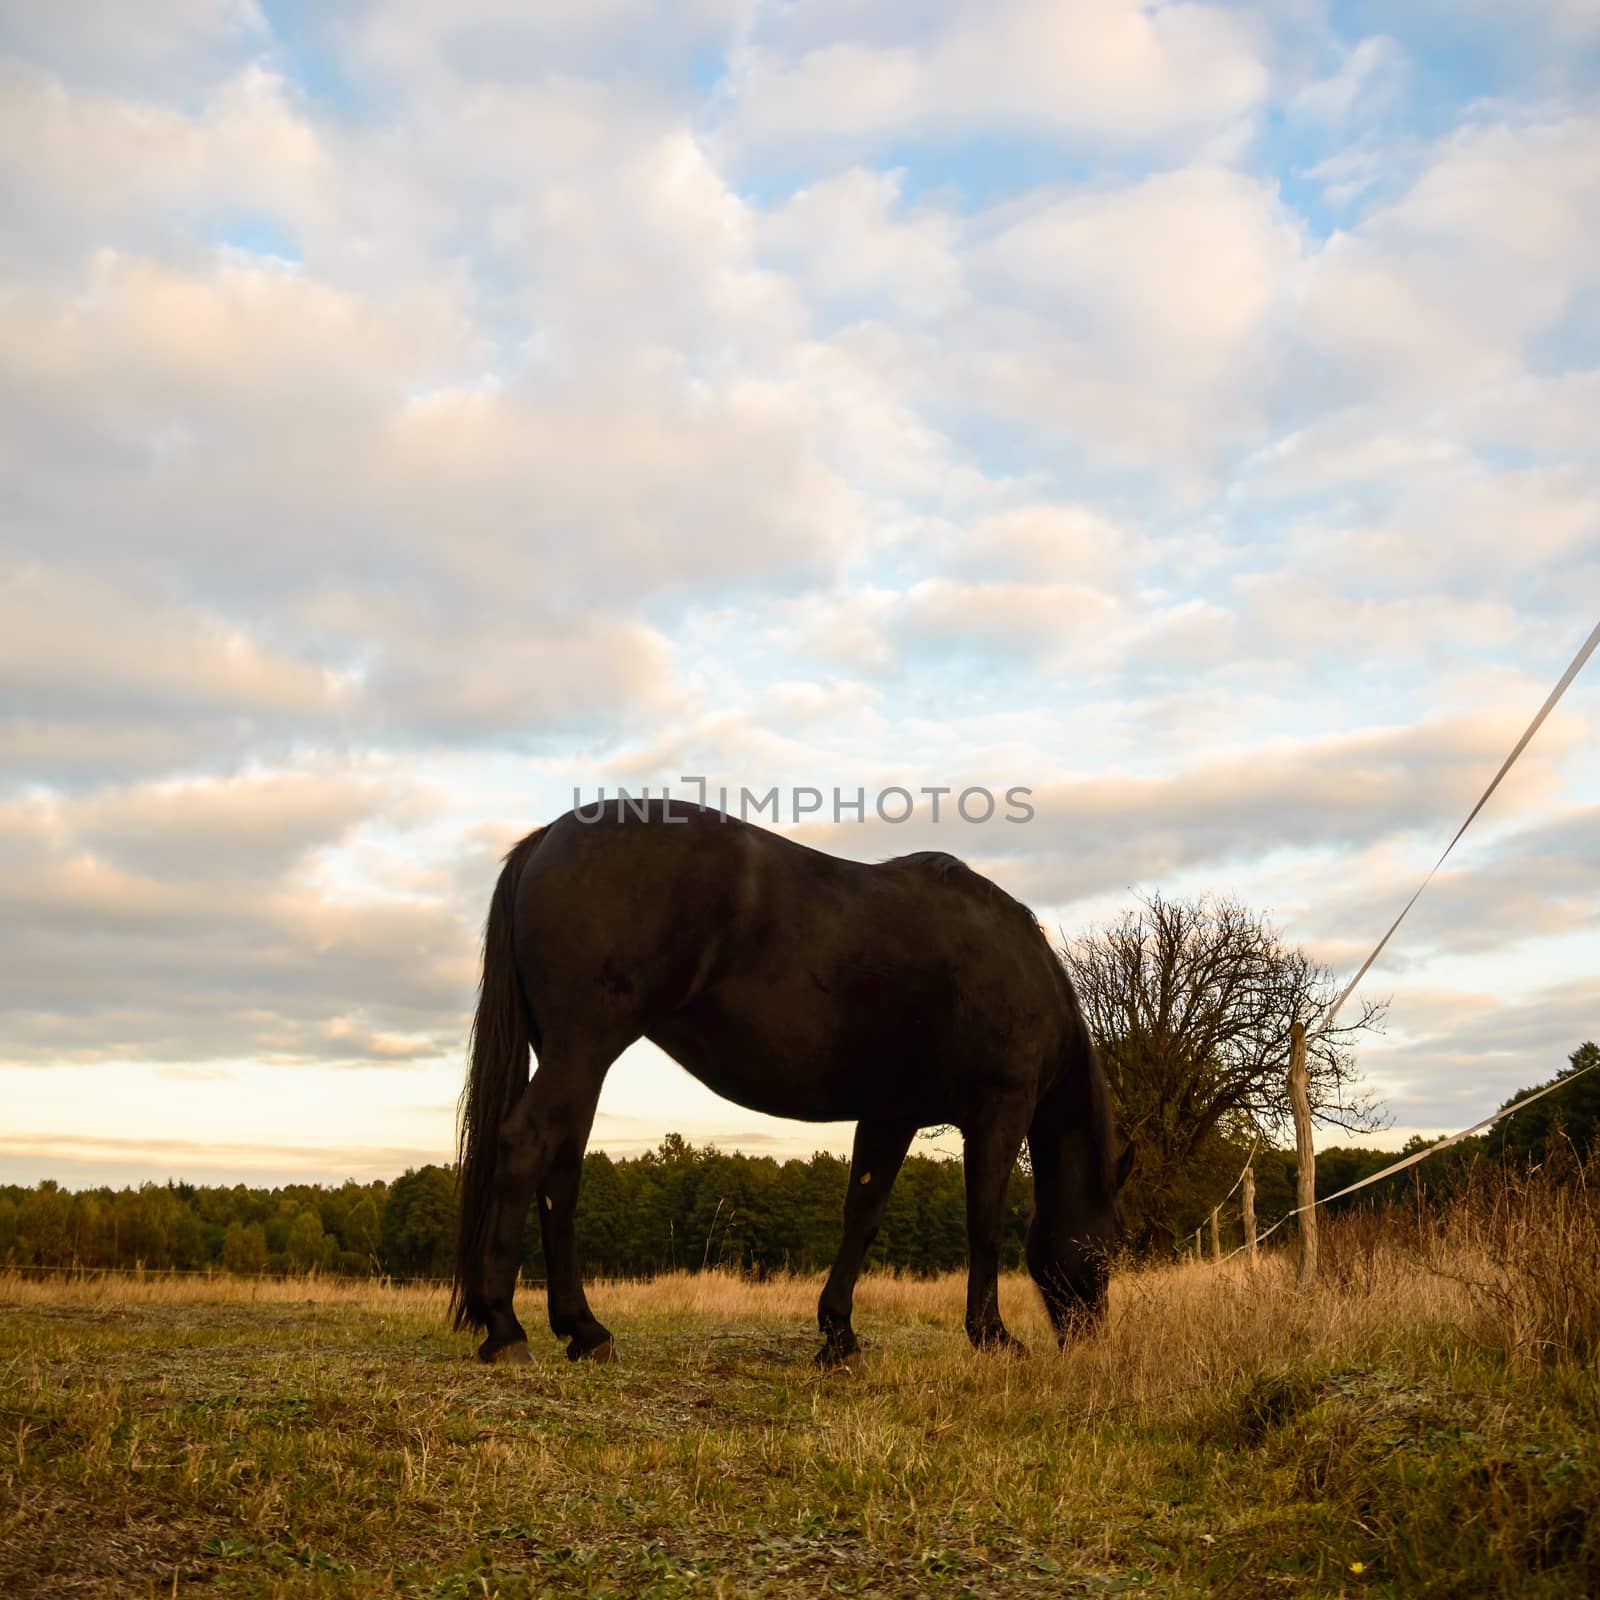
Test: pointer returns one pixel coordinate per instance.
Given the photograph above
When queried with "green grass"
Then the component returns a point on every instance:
(1388, 1435)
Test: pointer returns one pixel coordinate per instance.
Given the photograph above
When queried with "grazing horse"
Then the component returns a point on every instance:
(901, 995)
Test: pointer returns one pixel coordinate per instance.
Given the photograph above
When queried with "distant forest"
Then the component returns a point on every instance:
(677, 1207)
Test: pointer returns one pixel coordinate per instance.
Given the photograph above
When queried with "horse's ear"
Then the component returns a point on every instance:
(1125, 1165)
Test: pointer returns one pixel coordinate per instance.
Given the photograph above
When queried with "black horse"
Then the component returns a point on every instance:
(904, 995)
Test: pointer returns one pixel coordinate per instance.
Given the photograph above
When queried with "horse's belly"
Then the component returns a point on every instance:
(792, 1072)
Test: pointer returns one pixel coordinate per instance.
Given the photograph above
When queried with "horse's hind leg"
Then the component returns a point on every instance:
(541, 1161)
(990, 1152)
(880, 1148)
(570, 1118)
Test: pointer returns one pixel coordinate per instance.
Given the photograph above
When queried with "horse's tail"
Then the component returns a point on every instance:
(503, 1029)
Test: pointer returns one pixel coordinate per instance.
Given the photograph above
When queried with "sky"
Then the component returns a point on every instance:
(412, 414)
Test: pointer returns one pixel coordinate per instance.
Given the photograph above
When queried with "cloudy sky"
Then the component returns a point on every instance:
(411, 411)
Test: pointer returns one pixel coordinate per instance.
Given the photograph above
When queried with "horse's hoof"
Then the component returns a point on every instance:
(517, 1350)
(1001, 1344)
(836, 1358)
(603, 1352)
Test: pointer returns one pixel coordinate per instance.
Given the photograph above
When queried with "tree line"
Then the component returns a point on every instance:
(676, 1207)
(683, 1207)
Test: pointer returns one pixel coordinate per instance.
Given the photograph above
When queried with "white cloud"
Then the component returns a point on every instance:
(826, 703)
(1111, 72)
(1424, 519)
(420, 44)
(1370, 75)
(199, 921)
(75, 643)
(1065, 621)
(1349, 173)
(171, 43)
(849, 627)
(1464, 1052)
(1174, 276)
(1143, 319)
(143, 167)
(217, 830)
(1445, 287)
(1545, 415)
(857, 244)
(1045, 540)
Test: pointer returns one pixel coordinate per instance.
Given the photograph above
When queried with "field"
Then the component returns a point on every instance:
(1424, 1423)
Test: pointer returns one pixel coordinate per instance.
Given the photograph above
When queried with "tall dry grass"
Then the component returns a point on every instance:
(1523, 1246)
(1511, 1264)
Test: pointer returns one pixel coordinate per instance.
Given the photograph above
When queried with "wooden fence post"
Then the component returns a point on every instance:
(1216, 1237)
(1199, 1254)
(1247, 1204)
(1299, 1093)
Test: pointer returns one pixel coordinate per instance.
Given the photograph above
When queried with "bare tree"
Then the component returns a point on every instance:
(1190, 1003)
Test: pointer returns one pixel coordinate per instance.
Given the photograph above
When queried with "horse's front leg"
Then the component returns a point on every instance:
(989, 1153)
(880, 1149)
(570, 1316)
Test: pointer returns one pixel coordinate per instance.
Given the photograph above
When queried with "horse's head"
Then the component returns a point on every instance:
(1071, 1246)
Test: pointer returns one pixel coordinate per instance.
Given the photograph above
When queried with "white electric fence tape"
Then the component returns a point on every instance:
(1533, 727)
(1326, 1020)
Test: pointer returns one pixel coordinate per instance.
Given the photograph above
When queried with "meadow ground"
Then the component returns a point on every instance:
(1426, 1422)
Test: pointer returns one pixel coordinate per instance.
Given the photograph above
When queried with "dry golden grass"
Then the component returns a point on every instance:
(1425, 1423)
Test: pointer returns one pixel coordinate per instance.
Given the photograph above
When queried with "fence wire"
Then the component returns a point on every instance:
(1326, 1020)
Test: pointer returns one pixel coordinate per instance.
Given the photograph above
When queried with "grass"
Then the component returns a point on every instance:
(1425, 1423)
